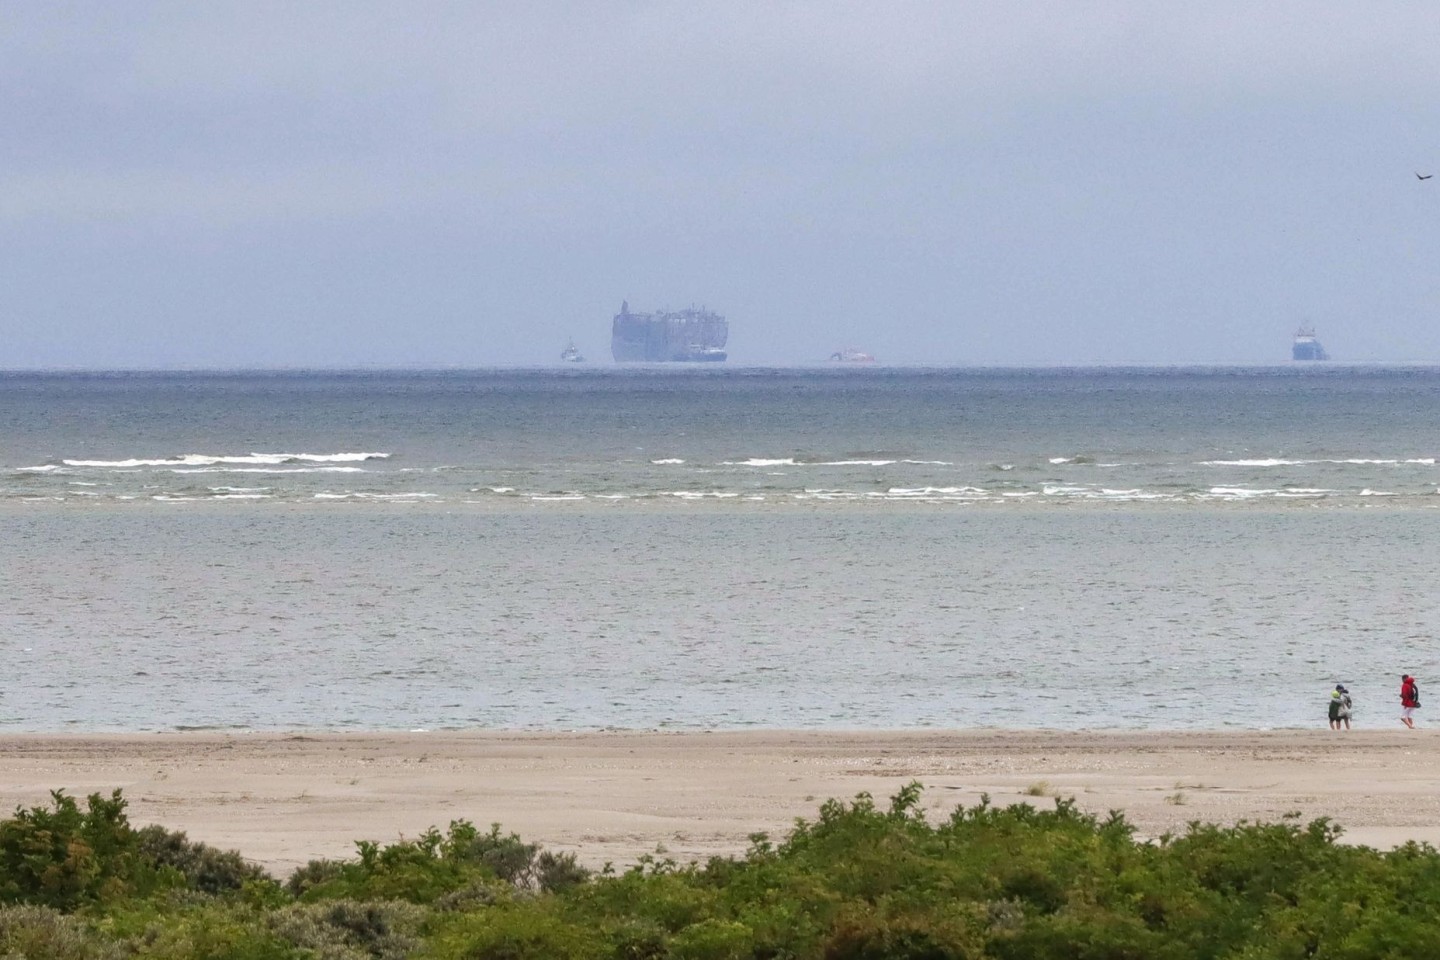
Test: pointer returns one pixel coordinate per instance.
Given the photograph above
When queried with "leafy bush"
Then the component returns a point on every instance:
(204, 867)
(313, 874)
(351, 930)
(534, 931)
(63, 857)
(447, 870)
(860, 881)
(555, 872)
(215, 931)
(421, 870)
(43, 933)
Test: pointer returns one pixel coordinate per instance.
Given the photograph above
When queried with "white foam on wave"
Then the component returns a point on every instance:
(700, 494)
(760, 462)
(1240, 493)
(1357, 461)
(374, 496)
(1417, 461)
(792, 462)
(47, 468)
(239, 489)
(265, 470)
(933, 491)
(1367, 492)
(241, 496)
(1060, 460)
(667, 460)
(207, 460)
(551, 498)
(1268, 462)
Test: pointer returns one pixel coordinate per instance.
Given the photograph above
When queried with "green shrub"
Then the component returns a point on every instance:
(204, 867)
(313, 874)
(713, 939)
(64, 857)
(556, 872)
(420, 871)
(214, 931)
(346, 929)
(630, 938)
(43, 933)
(860, 881)
(534, 931)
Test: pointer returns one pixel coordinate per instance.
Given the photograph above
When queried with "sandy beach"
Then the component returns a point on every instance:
(283, 799)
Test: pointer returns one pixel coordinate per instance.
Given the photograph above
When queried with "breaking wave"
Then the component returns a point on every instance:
(1282, 462)
(207, 460)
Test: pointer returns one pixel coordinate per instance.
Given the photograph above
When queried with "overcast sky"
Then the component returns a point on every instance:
(340, 184)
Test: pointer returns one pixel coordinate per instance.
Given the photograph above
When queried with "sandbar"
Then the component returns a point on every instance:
(283, 799)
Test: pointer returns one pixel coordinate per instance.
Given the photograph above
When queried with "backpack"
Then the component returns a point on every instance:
(1415, 691)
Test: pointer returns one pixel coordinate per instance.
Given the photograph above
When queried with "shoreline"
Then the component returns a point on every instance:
(284, 798)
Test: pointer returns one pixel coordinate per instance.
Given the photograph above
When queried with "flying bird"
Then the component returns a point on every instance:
(1423, 176)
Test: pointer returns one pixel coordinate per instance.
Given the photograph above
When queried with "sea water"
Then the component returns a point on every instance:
(664, 547)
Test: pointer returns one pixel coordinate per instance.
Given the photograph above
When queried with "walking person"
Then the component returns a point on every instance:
(1409, 700)
(1339, 707)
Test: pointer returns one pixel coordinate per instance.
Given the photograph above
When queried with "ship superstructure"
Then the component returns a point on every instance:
(1307, 347)
(696, 335)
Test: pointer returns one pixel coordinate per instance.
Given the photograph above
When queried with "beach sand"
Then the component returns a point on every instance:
(283, 799)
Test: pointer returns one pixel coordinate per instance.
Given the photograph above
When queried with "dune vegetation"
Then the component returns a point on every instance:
(860, 880)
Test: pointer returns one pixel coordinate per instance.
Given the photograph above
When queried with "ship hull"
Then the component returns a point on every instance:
(1308, 348)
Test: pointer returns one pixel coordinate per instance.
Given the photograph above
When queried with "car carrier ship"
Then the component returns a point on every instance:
(691, 335)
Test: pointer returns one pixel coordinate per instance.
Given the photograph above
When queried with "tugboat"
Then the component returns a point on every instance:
(1306, 347)
(851, 355)
(570, 354)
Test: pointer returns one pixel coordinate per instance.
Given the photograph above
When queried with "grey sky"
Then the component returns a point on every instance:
(255, 184)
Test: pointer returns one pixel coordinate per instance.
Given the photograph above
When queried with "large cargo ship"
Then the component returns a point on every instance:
(1306, 347)
(679, 335)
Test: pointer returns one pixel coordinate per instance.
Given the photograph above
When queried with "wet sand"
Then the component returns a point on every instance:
(283, 799)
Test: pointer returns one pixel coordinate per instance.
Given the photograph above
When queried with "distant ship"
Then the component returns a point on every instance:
(1306, 347)
(851, 355)
(570, 354)
(681, 335)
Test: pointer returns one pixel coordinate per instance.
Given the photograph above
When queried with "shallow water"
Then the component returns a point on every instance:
(792, 587)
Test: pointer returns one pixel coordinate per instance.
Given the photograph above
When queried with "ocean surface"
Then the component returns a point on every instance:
(679, 548)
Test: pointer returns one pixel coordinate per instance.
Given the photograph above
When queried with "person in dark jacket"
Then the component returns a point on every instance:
(1339, 707)
(1409, 700)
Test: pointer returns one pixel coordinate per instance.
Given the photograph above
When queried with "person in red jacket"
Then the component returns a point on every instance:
(1409, 700)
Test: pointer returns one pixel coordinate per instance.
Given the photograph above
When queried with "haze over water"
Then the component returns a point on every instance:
(660, 547)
